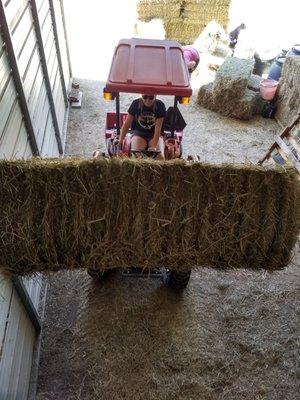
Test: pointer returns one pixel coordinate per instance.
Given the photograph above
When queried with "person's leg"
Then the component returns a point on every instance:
(138, 143)
(160, 147)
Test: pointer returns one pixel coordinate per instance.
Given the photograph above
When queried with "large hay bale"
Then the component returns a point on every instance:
(289, 91)
(232, 78)
(104, 213)
(226, 104)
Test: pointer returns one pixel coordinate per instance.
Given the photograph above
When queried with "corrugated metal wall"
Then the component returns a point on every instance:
(34, 77)
(19, 17)
(17, 339)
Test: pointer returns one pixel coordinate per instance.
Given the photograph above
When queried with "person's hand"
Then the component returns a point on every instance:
(152, 149)
(118, 142)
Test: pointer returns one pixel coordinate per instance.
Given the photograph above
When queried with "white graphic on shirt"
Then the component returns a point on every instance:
(146, 119)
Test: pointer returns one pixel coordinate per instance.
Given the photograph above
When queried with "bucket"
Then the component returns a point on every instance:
(268, 89)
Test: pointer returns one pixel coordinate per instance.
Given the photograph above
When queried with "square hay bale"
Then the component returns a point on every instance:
(232, 78)
(249, 105)
(288, 103)
(205, 96)
(107, 213)
(243, 108)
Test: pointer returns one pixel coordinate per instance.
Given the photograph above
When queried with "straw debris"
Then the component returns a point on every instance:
(72, 213)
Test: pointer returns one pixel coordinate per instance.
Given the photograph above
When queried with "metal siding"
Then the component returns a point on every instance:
(9, 345)
(14, 389)
(11, 133)
(16, 356)
(28, 152)
(6, 291)
(47, 137)
(14, 10)
(62, 42)
(21, 143)
(54, 152)
(43, 10)
(24, 378)
(30, 73)
(26, 52)
(6, 104)
(22, 31)
(33, 287)
(40, 115)
(20, 19)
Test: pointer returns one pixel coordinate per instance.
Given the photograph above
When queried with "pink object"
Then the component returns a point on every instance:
(268, 89)
(190, 54)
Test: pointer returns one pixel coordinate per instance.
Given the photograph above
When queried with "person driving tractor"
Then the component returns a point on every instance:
(145, 118)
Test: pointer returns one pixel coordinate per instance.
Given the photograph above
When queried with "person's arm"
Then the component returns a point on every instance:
(125, 127)
(157, 131)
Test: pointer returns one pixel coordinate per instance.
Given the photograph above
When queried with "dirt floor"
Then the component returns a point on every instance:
(230, 335)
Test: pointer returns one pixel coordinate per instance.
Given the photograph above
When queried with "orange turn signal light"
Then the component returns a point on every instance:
(184, 100)
(108, 96)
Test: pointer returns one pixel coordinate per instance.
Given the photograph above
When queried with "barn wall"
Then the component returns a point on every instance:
(35, 75)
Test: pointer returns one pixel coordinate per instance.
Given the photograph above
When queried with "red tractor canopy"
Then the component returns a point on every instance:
(149, 67)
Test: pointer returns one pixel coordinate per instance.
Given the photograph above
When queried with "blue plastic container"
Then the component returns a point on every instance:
(294, 51)
(276, 67)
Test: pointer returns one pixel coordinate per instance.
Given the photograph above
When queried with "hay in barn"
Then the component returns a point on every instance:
(184, 20)
(106, 213)
(232, 78)
(288, 103)
(226, 104)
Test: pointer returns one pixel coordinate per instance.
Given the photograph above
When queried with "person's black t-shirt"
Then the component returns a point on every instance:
(144, 117)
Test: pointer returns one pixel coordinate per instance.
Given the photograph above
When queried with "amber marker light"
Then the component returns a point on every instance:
(184, 100)
(108, 96)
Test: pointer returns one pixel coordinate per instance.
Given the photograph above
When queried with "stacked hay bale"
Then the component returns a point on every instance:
(108, 213)
(184, 19)
(289, 91)
(235, 91)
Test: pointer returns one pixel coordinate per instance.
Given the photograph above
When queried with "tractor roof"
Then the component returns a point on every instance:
(149, 67)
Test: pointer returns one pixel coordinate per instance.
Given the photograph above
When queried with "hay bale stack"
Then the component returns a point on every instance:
(148, 10)
(242, 108)
(288, 104)
(184, 19)
(232, 78)
(107, 213)
(234, 92)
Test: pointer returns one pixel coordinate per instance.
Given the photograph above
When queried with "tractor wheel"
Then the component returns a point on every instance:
(177, 280)
(98, 275)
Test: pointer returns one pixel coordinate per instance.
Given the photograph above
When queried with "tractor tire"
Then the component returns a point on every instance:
(177, 280)
(98, 275)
